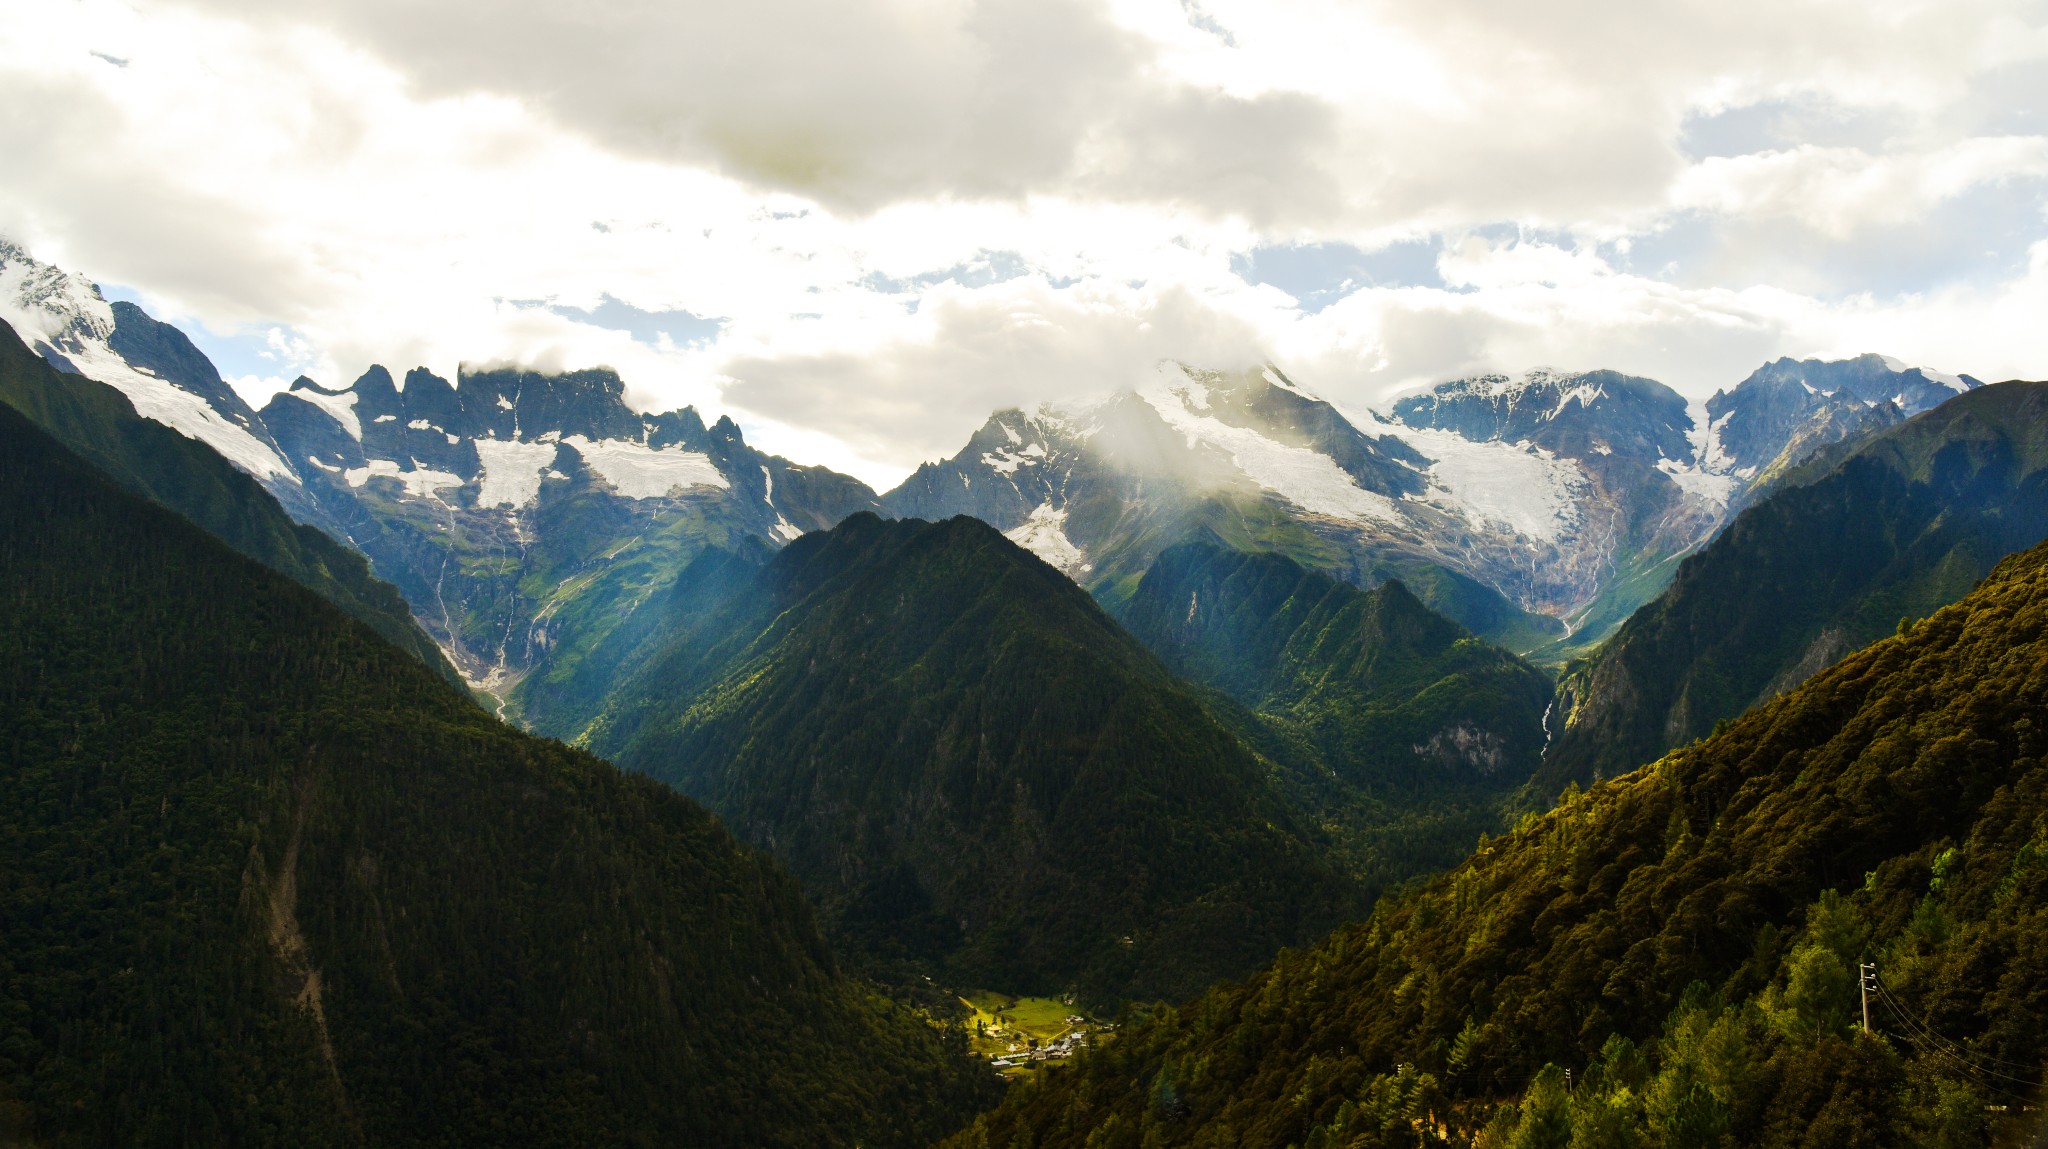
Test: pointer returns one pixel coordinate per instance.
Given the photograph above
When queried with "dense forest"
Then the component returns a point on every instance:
(1407, 732)
(975, 771)
(187, 476)
(1671, 958)
(269, 880)
(1890, 527)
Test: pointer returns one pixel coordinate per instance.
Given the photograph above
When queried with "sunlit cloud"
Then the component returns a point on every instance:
(859, 227)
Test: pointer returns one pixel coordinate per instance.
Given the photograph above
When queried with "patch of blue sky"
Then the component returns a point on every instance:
(984, 269)
(1319, 274)
(683, 328)
(1200, 19)
(1779, 124)
(264, 352)
(1980, 237)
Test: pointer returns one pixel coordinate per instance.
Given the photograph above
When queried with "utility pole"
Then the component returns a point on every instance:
(1868, 970)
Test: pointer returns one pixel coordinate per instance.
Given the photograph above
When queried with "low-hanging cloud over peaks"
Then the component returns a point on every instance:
(860, 225)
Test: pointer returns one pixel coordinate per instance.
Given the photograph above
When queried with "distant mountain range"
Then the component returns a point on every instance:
(525, 515)
(1538, 511)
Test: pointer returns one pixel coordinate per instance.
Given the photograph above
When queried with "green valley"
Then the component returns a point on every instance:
(1406, 733)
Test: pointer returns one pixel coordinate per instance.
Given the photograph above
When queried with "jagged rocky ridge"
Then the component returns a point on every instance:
(521, 514)
(526, 515)
(1538, 511)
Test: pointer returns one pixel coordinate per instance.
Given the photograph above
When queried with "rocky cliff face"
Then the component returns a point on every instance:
(1787, 409)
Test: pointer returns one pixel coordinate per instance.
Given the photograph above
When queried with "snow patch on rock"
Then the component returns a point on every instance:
(638, 471)
(511, 471)
(422, 483)
(1309, 479)
(1006, 461)
(1952, 382)
(1527, 489)
(1045, 535)
(340, 407)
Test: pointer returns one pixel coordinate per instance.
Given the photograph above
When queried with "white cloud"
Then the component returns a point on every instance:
(905, 212)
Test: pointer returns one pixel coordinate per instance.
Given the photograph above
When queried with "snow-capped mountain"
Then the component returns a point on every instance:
(1547, 502)
(1788, 409)
(524, 514)
(63, 317)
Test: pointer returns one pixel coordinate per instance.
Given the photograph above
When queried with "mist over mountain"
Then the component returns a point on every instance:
(1107, 574)
(1132, 696)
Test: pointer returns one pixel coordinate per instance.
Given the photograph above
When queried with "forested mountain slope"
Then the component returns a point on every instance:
(972, 767)
(269, 881)
(192, 479)
(1684, 938)
(1421, 727)
(1906, 523)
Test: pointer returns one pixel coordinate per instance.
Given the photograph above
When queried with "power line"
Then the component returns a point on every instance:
(1898, 1006)
(1940, 1048)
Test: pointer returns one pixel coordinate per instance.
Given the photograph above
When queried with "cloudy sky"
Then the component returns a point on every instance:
(860, 225)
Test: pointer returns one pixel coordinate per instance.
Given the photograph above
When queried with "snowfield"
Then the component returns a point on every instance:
(1526, 489)
(1309, 479)
(511, 471)
(422, 483)
(642, 472)
(1045, 535)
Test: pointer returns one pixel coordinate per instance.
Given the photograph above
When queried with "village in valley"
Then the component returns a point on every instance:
(1017, 1034)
